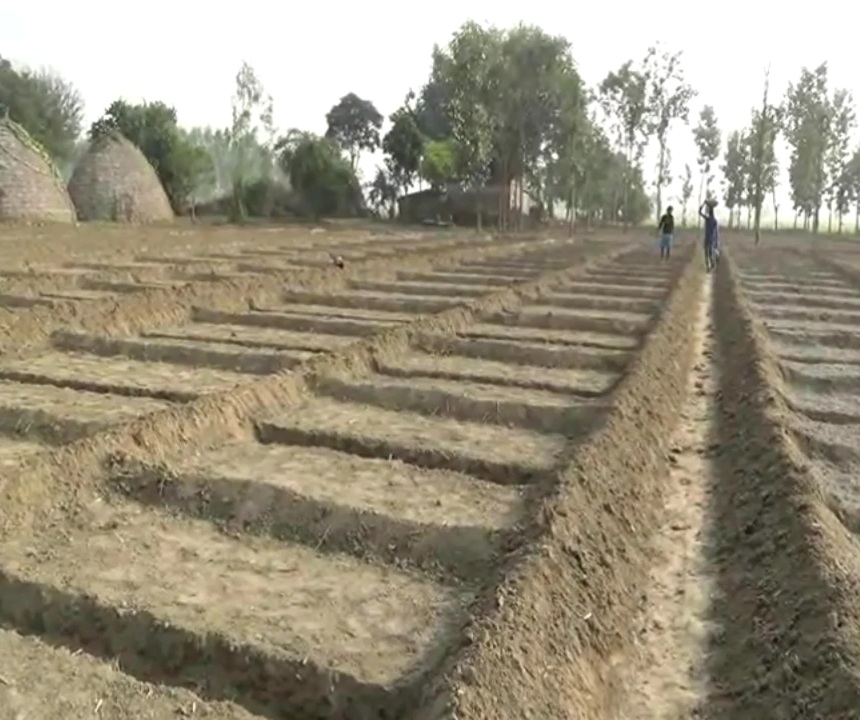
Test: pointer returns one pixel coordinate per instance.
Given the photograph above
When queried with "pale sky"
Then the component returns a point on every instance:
(186, 52)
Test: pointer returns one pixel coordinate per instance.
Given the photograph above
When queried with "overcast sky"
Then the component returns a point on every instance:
(309, 54)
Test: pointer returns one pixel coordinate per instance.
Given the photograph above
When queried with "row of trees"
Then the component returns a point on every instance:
(504, 110)
(816, 123)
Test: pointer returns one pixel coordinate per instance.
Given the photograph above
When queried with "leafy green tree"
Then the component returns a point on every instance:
(806, 123)
(382, 192)
(733, 172)
(853, 184)
(403, 145)
(324, 180)
(669, 97)
(251, 109)
(843, 119)
(708, 141)
(762, 161)
(354, 124)
(49, 107)
(439, 163)
(468, 68)
(624, 95)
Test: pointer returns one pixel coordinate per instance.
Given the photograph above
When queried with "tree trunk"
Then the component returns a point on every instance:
(796, 216)
(839, 219)
(478, 211)
(749, 216)
(660, 170)
(626, 189)
(701, 188)
(571, 228)
(829, 218)
(757, 221)
(857, 219)
(815, 219)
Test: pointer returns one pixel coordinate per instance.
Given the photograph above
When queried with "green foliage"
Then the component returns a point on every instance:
(324, 180)
(403, 144)
(469, 71)
(624, 96)
(708, 141)
(734, 171)
(669, 97)
(807, 115)
(183, 168)
(251, 110)
(47, 106)
(354, 124)
(382, 192)
(439, 164)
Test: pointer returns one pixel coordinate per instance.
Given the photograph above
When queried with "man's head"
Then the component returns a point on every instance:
(669, 210)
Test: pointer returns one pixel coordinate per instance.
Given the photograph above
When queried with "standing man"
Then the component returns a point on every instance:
(667, 231)
(712, 234)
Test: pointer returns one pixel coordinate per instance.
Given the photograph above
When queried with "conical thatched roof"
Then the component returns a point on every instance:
(114, 181)
(31, 189)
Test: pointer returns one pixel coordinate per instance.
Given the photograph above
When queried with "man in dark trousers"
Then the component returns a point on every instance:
(712, 234)
(667, 232)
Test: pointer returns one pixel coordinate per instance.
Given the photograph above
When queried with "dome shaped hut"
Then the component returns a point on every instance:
(114, 181)
(31, 189)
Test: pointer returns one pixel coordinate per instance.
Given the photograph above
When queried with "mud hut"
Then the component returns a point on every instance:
(114, 181)
(31, 189)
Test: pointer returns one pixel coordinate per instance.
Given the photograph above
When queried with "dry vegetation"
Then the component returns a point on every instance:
(459, 477)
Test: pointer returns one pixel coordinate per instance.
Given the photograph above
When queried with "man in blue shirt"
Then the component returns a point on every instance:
(712, 234)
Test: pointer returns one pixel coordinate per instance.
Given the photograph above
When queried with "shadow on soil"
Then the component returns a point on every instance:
(782, 650)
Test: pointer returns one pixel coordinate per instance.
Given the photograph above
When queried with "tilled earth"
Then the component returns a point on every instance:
(238, 481)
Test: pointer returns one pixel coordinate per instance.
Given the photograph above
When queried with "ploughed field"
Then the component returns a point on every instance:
(811, 313)
(322, 552)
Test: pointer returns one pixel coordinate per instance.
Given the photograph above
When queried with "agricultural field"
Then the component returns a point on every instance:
(460, 476)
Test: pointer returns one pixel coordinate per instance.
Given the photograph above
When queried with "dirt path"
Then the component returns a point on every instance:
(669, 681)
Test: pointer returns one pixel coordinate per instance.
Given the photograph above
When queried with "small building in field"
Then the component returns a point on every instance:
(31, 188)
(460, 205)
(114, 182)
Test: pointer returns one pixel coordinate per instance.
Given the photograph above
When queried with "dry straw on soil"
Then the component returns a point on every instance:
(115, 182)
(31, 190)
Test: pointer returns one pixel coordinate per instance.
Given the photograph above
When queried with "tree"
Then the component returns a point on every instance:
(46, 105)
(382, 192)
(843, 119)
(354, 124)
(624, 95)
(762, 155)
(318, 172)
(403, 145)
(686, 193)
(180, 165)
(439, 163)
(707, 137)
(250, 109)
(806, 123)
(468, 70)
(669, 99)
(734, 173)
(853, 183)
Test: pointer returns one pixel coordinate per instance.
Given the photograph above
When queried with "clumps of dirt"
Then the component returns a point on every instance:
(788, 570)
(56, 483)
(563, 615)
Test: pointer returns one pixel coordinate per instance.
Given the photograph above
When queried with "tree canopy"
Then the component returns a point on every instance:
(504, 121)
(49, 107)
